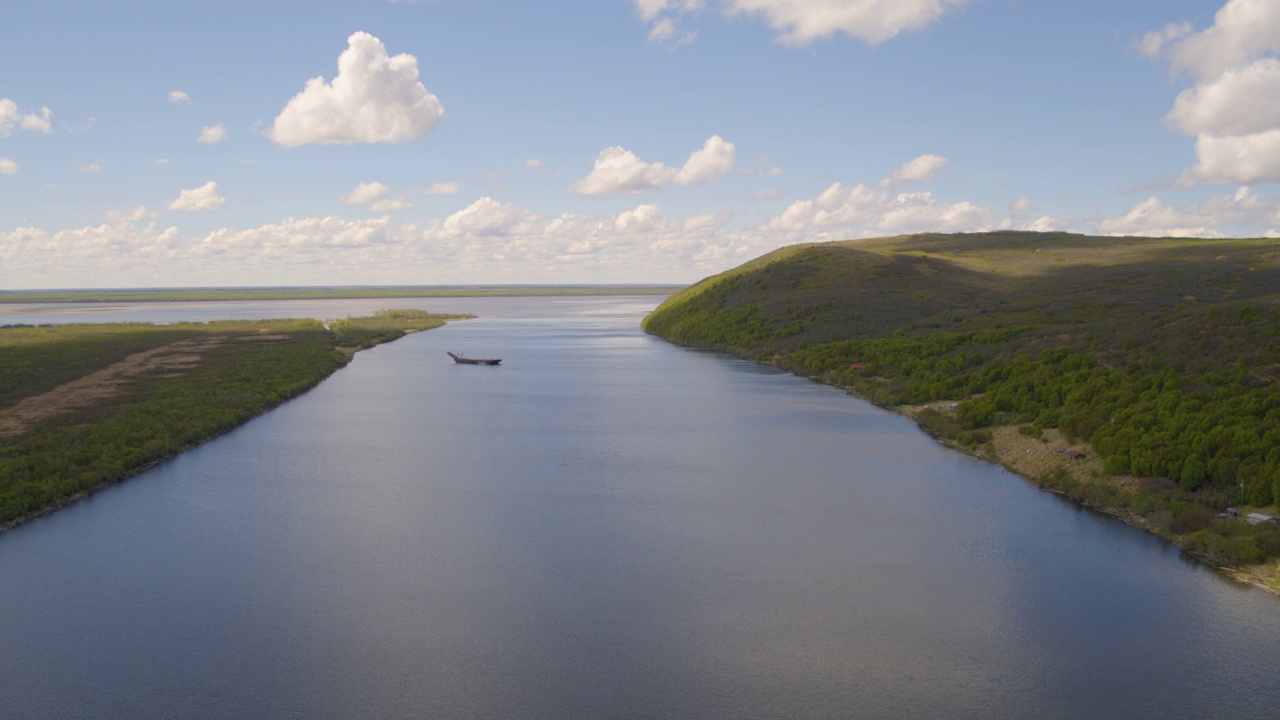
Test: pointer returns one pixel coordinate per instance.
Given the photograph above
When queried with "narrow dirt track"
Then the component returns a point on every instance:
(101, 384)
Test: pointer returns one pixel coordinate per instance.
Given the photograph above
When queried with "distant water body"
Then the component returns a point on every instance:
(606, 525)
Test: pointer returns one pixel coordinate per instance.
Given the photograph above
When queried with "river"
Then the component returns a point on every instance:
(605, 525)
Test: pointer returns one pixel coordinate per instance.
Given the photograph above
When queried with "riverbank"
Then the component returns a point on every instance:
(84, 407)
(1072, 470)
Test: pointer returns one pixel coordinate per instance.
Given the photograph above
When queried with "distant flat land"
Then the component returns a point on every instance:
(83, 406)
(322, 293)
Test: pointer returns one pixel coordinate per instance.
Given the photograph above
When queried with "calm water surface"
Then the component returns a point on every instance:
(605, 525)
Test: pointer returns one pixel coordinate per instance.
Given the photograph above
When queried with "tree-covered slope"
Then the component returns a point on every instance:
(1162, 354)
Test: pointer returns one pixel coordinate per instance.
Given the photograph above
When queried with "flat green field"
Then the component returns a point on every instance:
(86, 405)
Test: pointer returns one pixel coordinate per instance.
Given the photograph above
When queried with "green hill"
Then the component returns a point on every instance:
(1157, 356)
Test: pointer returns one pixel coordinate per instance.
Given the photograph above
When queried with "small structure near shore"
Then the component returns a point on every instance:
(1259, 518)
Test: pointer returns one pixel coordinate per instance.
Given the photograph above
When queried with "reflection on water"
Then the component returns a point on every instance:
(605, 525)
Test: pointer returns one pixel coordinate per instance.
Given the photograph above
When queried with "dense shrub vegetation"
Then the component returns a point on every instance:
(216, 376)
(1161, 354)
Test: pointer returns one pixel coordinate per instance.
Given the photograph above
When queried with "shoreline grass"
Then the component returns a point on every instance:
(86, 406)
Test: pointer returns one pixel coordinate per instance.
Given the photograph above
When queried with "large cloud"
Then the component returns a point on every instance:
(487, 241)
(800, 22)
(867, 210)
(1242, 31)
(492, 241)
(487, 217)
(873, 21)
(1241, 101)
(1241, 214)
(1233, 109)
(373, 99)
(1238, 159)
(619, 171)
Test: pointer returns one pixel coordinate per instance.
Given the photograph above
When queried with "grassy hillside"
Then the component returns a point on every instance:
(83, 406)
(1157, 356)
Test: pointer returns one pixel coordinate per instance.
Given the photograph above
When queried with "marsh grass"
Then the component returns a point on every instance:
(83, 406)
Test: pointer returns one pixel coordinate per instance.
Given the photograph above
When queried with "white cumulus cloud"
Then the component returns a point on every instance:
(1154, 43)
(8, 167)
(644, 217)
(212, 134)
(376, 196)
(365, 193)
(1239, 159)
(1233, 108)
(922, 168)
(179, 97)
(487, 217)
(1243, 213)
(10, 116)
(200, 199)
(1241, 101)
(41, 123)
(374, 98)
(1242, 31)
(867, 210)
(801, 22)
(712, 161)
(619, 171)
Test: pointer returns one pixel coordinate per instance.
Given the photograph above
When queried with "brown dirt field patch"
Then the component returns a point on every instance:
(1033, 457)
(101, 384)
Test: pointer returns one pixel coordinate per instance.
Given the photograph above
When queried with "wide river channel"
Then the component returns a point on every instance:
(604, 526)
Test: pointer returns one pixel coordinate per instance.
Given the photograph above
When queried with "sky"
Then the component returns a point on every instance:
(436, 142)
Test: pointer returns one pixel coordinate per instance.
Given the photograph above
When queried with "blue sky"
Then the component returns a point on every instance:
(149, 144)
